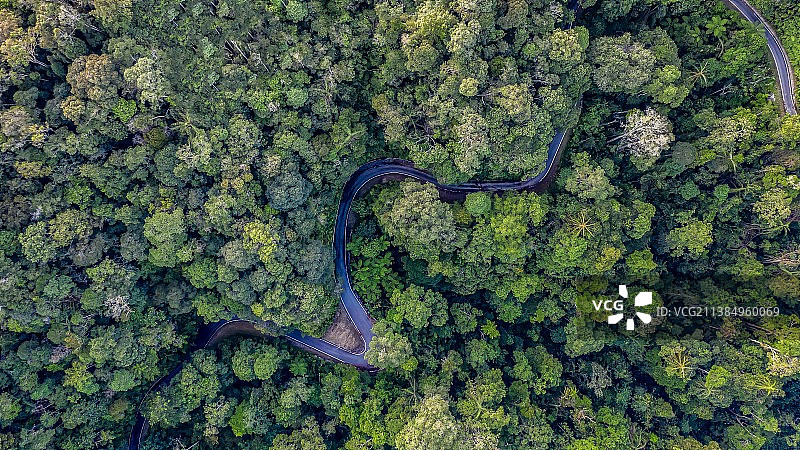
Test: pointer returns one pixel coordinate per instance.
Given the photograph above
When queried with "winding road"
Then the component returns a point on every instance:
(362, 179)
(397, 169)
(786, 81)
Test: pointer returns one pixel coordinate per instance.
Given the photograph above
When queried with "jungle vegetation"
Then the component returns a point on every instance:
(166, 163)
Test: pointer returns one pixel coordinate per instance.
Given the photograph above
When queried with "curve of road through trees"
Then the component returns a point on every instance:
(786, 82)
(384, 170)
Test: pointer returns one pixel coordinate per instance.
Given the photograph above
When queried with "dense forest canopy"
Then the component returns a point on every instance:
(165, 164)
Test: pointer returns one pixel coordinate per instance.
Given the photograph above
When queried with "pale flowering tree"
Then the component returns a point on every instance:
(646, 134)
(117, 307)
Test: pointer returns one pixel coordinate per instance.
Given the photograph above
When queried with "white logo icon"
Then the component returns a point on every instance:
(642, 299)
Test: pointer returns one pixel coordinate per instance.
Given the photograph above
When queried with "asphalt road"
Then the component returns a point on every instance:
(381, 170)
(397, 169)
(786, 82)
(360, 181)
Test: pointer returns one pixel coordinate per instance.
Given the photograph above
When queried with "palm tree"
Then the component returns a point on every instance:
(581, 225)
(700, 74)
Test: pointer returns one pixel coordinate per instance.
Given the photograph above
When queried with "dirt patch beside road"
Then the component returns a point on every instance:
(343, 334)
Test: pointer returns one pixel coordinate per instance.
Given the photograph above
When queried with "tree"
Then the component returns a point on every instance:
(166, 232)
(371, 270)
(790, 130)
(641, 220)
(478, 203)
(168, 163)
(646, 134)
(416, 219)
(36, 246)
(418, 306)
(481, 408)
(588, 180)
(622, 64)
(473, 144)
(148, 78)
(78, 377)
(516, 100)
(512, 217)
(114, 15)
(433, 427)
(306, 438)
(9, 408)
(640, 262)
(729, 137)
(389, 349)
(568, 47)
(465, 317)
(94, 77)
(773, 208)
(614, 9)
(692, 239)
(288, 191)
(258, 238)
(664, 87)
(537, 367)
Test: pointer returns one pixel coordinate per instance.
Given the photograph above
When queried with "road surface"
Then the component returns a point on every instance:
(786, 82)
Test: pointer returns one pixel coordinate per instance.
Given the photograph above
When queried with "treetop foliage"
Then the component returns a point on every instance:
(165, 164)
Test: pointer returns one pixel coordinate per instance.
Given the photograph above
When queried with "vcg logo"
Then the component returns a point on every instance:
(618, 307)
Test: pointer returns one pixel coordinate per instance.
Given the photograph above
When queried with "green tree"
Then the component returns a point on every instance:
(432, 427)
(417, 220)
(389, 349)
(166, 232)
(692, 239)
(622, 64)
